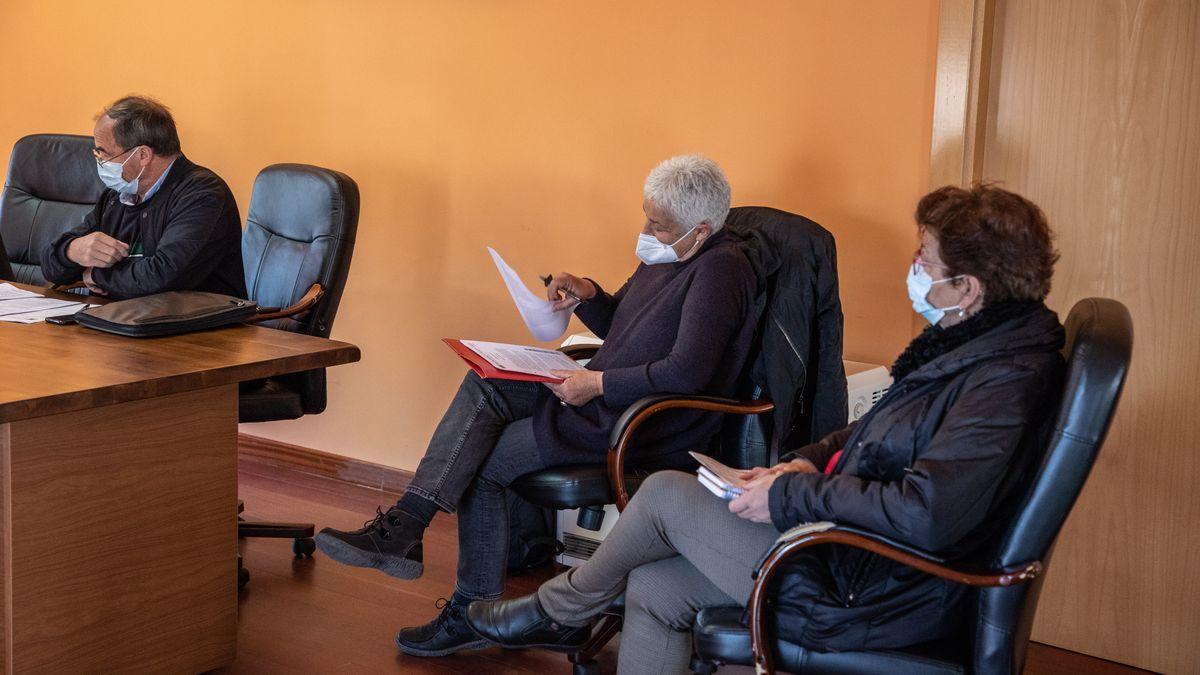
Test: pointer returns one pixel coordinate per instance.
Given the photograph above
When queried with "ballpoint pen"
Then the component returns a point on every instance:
(550, 277)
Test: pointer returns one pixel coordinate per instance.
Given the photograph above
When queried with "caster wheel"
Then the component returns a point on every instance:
(589, 668)
(304, 548)
(243, 577)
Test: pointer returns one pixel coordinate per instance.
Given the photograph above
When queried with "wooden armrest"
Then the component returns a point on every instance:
(580, 352)
(812, 534)
(649, 406)
(305, 303)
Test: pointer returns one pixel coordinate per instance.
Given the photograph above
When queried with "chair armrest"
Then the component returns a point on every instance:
(305, 303)
(812, 534)
(647, 407)
(580, 352)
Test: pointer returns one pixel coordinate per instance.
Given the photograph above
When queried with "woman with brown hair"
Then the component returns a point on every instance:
(934, 465)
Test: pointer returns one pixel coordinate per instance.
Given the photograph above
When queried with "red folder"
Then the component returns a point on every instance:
(486, 370)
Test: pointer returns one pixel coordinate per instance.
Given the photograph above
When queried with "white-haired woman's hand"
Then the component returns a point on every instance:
(567, 290)
(578, 386)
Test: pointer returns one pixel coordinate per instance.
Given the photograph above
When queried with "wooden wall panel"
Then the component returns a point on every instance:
(1095, 115)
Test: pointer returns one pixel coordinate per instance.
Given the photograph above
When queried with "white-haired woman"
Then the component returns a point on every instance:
(678, 325)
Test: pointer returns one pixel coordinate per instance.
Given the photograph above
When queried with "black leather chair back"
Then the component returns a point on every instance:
(51, 185)
(1098, 347)
(300, 231)
(745, 440)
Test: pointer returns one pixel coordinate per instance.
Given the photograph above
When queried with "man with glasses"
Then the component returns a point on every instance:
(163, 224)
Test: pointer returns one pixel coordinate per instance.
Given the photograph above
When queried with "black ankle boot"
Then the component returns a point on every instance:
(446, 634)
(390, 543)
(523, 623)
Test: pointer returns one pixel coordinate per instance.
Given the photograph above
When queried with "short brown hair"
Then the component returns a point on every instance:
(141, 120)
(996, 236)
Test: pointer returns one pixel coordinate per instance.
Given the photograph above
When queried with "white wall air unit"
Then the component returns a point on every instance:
(866, 384)
(579, 543)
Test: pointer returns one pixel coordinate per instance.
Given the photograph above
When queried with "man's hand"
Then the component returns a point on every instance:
(564, 288)
(578, 386)
(97, 250)
(91, 285)
(798, 465)
(754, 504)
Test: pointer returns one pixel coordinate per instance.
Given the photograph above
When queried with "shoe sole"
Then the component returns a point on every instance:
(340, 551)
(417, 651)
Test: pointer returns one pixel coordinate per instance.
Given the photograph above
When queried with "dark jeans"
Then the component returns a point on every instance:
(483, 443)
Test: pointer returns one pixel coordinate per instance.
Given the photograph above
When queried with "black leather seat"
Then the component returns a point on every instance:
(1099, 342)
(296, 247)
(743, 442)
(51, 185)
(744, 439)
(300, 232)
(719, 631)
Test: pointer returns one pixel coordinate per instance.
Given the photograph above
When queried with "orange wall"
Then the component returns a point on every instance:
(528, 126)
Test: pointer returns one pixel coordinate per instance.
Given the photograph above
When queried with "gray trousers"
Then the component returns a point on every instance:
(675, 550)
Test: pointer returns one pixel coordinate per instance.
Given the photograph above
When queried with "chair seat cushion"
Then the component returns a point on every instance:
(268, 400)
(720, 637)
(572, 486)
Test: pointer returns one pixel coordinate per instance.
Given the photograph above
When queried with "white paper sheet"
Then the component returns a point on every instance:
(522, 359)
(21, 306)
(543, 322)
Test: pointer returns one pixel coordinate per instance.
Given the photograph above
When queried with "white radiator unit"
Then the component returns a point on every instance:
(578, 543)
(866, 384)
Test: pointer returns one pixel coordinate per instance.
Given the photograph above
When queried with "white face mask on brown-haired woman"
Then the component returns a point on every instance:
(919, 284)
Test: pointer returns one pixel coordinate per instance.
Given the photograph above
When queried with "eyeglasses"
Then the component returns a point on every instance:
(100, 161)
(918, 265)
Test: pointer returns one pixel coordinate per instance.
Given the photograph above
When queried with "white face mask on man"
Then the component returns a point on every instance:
(112, 175)
(653, 252)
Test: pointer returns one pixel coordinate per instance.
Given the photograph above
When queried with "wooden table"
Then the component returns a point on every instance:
(118, 492)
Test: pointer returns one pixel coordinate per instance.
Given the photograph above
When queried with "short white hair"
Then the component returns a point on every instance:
(692, 189)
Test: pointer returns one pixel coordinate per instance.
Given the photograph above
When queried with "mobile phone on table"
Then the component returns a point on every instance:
(62, 320)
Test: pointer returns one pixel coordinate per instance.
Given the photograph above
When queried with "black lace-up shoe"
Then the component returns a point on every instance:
(445, 635)
(390, 543)
(523, 623)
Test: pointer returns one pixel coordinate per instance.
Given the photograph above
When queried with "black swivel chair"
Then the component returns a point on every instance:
(296, 248)
(745, 438)
(1099, 342)
(51, 185)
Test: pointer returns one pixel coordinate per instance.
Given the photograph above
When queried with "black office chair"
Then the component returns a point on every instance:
(745, 439)
(296, 248)
(51, 185)
(1099, 342)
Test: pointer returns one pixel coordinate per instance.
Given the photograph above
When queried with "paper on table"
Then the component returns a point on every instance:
(21, 306)
(543, 322)
(522, 359)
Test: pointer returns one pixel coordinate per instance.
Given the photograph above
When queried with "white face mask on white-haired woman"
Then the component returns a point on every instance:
(653, 252)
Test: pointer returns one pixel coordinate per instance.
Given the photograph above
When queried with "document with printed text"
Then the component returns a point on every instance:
(21, 306)
(523, 359)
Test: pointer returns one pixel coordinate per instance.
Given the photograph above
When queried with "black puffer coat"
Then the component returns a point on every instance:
(931, 465)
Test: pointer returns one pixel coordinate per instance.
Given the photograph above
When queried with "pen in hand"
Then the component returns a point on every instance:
(550, 277)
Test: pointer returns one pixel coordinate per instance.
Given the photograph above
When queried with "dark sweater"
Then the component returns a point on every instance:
(678, 328)
(189, 233)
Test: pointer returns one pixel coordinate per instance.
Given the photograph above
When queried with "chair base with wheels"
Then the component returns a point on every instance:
(301, 534)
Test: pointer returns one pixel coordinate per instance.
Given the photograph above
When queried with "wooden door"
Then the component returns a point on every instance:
(1091, 108)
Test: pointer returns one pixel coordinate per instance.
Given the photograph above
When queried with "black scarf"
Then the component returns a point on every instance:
(935, 341)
